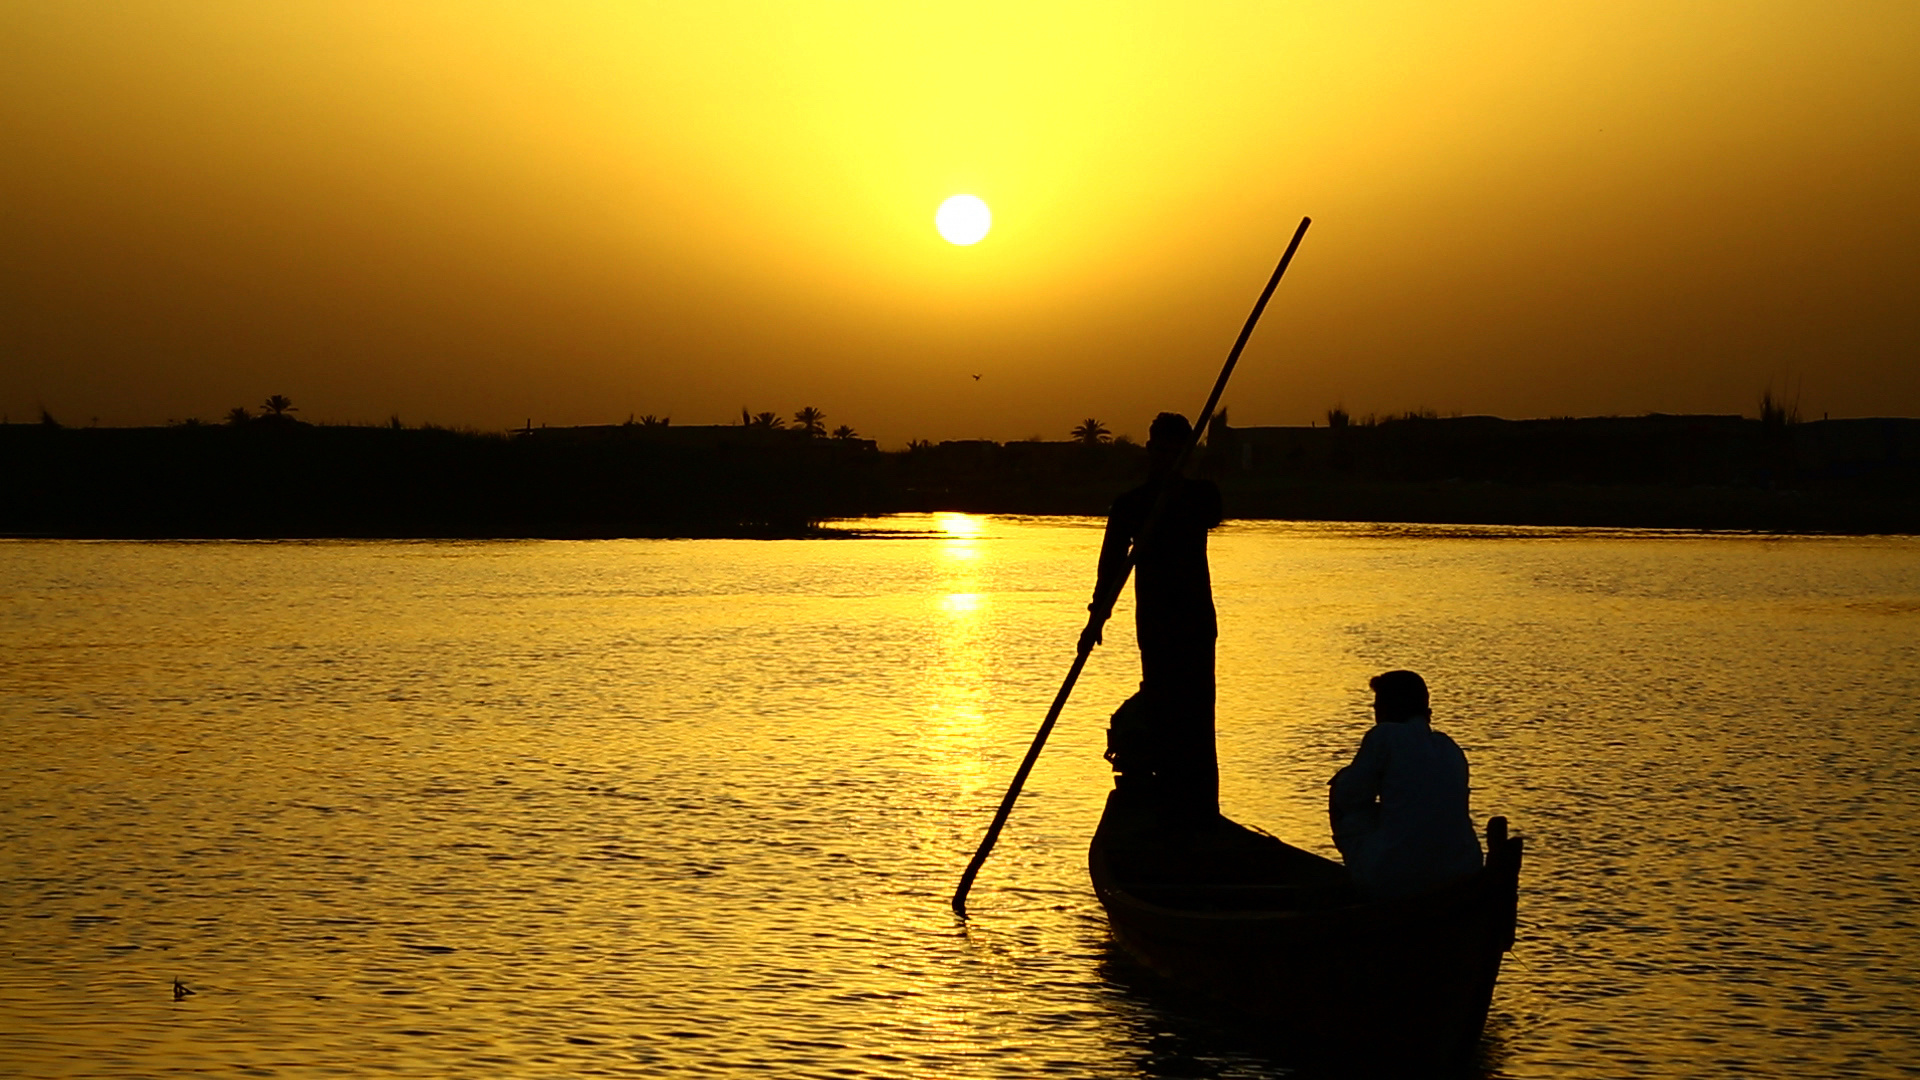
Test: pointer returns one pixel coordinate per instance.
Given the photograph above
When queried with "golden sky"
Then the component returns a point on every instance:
(476, 213)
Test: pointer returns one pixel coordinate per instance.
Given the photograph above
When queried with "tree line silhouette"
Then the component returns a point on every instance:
(769, 474)
(808, 421)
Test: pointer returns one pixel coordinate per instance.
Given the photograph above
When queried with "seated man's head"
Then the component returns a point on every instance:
(1166, 438)
(1399, 696)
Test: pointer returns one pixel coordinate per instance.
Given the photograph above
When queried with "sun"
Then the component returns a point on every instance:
(963, 220)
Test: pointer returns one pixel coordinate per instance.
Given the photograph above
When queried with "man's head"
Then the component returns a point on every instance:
(1166, 438)
(1399, 696)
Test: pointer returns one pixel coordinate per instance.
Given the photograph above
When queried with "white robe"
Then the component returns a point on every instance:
(1399, 811)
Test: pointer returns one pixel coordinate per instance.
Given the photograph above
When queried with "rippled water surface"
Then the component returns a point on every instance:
(673, 807)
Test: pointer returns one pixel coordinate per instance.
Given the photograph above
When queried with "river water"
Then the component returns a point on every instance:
(683, 807)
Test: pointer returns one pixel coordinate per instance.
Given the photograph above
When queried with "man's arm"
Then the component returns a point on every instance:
(1113, 570)
(1353, 795)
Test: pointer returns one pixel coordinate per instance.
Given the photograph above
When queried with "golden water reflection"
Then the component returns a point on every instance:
(656, 808)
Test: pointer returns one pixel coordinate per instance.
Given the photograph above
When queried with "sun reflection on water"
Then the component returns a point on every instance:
(963, 535)
(960, 696)
(965, 603)
(967, 526)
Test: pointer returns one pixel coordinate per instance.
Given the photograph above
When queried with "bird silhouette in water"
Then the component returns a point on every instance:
(180, 990)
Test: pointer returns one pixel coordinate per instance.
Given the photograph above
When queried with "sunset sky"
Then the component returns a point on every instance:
(480, 213)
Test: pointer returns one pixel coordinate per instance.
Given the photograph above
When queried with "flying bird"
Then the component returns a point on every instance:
(976, 378)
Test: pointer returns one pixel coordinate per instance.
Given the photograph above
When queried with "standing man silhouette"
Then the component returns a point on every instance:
(1173, 617)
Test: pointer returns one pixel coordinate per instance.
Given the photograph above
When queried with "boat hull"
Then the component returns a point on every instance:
(1284, 940)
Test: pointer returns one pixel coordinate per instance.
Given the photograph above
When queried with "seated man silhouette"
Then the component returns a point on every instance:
(1399, 811)
(1174, 623)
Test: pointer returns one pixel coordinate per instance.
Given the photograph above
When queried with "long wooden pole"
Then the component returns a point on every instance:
(1109, 592)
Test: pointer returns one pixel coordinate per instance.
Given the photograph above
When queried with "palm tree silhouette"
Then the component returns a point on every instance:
(238, 415)
(810, 420)
(766, 421)
(845, 432)
(1093, 432)
(278, 406)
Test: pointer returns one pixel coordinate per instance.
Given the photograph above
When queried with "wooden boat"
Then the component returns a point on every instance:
(1279, 933)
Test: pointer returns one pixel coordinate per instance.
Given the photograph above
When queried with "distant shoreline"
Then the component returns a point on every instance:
(289, 480)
